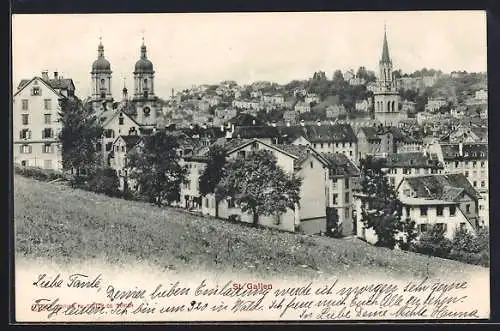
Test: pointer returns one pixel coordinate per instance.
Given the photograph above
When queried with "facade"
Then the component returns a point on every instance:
(434, 104)
(334, 111)
(35, 121)
(121, 147)
(446, 200)
(302, 107)
(401, 165)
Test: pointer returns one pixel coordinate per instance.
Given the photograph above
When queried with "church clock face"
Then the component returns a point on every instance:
(147, 111)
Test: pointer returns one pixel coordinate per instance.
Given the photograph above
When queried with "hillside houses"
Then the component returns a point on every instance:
(400, 165)
(445, 200)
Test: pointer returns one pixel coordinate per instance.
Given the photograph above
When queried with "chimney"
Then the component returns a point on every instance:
(461, 149)
(56, 74)
(45, 75)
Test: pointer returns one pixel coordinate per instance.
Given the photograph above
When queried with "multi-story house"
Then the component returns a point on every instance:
(302, 107)
(35, 122)
(121, 148)
(446, 200)
(309, 215)
(471, 160)
(362, 105)
(334, 111)
(342, 179)
(408, 106)
(291, 117)
(434, 104)
(400, 165)
(311, 97)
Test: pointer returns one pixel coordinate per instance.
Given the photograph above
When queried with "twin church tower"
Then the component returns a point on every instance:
(143, 103)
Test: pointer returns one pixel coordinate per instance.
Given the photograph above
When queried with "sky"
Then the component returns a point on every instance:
(197, 48)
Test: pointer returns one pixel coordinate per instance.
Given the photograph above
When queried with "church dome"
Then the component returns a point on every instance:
(143, 65)
(101, 64)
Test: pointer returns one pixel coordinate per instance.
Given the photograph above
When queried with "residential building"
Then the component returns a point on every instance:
(362, 105)
(445, 200)
(482, 95)
(334, 111)
(400, 165)
(35, 120)
(433, 104)
(291, 117)
(121, 147)
(408, 106)
(312, 98)
(302, 107)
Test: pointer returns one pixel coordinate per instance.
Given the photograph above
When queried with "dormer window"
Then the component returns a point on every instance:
(121, 119)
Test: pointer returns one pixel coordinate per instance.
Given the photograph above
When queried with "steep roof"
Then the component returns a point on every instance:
(441, 187)
(413, 160)
(328, 133)
(370, 132)
(385, 50)
(244, 119)
(340, 164)
(255, 131)
(131, 140)
(470, 151)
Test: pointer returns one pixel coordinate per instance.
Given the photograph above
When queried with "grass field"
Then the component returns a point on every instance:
(63, 225)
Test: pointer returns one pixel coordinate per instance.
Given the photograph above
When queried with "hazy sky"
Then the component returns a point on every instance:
(189, 49)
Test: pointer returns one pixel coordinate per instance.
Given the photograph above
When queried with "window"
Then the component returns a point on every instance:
(48, 148)
(474, 183)
(392, 180)
(255, 145)
(312, 164)
(423, 211)
(423, 227)
(334, 184)
(230, 203)
(483, 183)
(241, 153)
(335, 198)
(482, 164)
(441, 227)
(439, 210)
(24, 163)
(462, 225)
(453, 210)
(47, 118)
(346, 214)
(474, 164)
(25, 104)
(467, 208)
(347, 183)
(35, 90)
(25, 134)
(109, 146)
(47, 133)
(26, 149)
(120, 119)
(346, 197)
(47, 104)
(466, 174)
(25, 119)
(407, 211)
(109, 133)
(47, 164)
(314, 145)
(123, 148)
(457, 164)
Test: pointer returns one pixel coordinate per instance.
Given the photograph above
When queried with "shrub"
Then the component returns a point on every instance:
(410, 235)
(471, 249)
(433, 243)
(104, 180)
(234, 218)
(39, 173)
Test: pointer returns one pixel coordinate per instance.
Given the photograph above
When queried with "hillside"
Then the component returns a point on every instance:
(65, 225)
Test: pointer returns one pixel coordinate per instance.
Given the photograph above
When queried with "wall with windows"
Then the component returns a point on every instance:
(119, 125)
(36, 126)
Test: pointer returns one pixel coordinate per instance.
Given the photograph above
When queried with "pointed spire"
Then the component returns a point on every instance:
(100, 49)
(385, 48)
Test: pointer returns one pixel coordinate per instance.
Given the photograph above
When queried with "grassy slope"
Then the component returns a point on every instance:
(65, 225)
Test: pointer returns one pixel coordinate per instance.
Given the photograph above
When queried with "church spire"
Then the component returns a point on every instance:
(385, 49)
(100, 48)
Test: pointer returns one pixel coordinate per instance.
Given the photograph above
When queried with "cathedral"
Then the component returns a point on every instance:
(386, 95)
(142, 107)
(134, 115)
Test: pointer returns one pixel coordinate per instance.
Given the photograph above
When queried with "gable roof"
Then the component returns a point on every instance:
(340, 165)
(25, 82)
(470, 151)
(116, 113)
(130, 140)
(441, 187)
(413, 160)
(255, 131)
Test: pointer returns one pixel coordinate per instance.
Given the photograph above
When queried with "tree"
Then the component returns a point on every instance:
(156, 169)
(79, 136)
(259, 185)
(213, 173)
(433, 243)
(104, 180)
(411, 234)
(381, 209)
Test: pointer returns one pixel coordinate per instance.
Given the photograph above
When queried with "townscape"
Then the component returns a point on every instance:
(358, 155)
